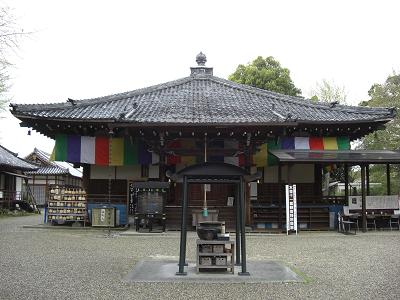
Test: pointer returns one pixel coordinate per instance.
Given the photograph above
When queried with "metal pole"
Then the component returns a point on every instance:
(367, 178)
(388, 178)
(346, 183)
(205, 210)
(363, 199)
(280, 210)
(237, 207)
(243, 230)
(182, 251)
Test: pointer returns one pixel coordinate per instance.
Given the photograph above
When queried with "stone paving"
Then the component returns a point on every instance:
(94, 264)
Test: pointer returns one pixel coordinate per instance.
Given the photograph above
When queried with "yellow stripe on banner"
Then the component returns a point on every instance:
(188, 160)
(116, 152)
(188, 143)
(53, 154)
(330, 143)
(260, 157)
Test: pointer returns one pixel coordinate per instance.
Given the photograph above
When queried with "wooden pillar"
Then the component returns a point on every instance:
(346, 183)
(242, 230)
(237, 209)
(47, 192)
(162, 165)
(182, 250)
(280, 195)
(246, 190)
(86, 177)
(367, 178)
(318, 182)
(388, 179)
(363, 199)
(247, 204)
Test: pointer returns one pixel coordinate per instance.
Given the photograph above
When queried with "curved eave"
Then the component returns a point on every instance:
(123, 123)
(27, 116)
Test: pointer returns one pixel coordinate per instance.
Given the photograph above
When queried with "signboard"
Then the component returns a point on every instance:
(291, 208)
(375, 202)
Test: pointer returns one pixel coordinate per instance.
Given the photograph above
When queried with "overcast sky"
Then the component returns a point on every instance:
(84, 49)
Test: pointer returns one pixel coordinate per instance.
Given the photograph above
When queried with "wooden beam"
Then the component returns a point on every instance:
(388, 179)
(363, 199)
(346, 183)
(367, 179)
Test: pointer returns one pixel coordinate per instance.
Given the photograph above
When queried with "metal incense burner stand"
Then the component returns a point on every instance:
(215, 252)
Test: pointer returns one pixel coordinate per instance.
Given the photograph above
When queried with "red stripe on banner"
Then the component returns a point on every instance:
(242, 160)
(102, 151)
(173, 159)
(316, 143)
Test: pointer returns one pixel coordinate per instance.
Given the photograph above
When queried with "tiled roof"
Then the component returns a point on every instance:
(201, 99)
(11, 160)
(53, 167)
(53, 170)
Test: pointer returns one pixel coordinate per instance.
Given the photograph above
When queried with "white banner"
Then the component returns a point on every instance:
(291, 208)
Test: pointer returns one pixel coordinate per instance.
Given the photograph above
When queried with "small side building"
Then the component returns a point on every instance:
(13, 180)
(50, 173)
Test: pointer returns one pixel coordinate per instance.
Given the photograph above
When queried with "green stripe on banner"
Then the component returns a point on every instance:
(131, 156)
(343, 143)
(272, 145)
(61, 147)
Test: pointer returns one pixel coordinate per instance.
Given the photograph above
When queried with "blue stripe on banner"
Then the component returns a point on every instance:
(73, 148)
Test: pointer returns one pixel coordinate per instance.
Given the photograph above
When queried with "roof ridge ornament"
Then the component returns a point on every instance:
(201, 59)
(201, 68)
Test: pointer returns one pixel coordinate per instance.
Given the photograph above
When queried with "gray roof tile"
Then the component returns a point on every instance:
(11, 160)
(201, 99)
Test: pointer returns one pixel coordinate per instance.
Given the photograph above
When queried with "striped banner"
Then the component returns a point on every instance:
(61, 148)
(262, 158)
(116, 152)
(128, 151)
(88, 149)
(102, 151)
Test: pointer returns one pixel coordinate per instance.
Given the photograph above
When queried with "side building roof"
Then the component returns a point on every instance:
(11, 160)
(49, 167)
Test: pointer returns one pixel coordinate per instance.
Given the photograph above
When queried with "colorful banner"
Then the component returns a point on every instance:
(61, 147)
(302, 143)
(116, 152)
(288, 143)
(188, 160)
(130, 152)
(316, 143)
(262, 158)
(73, 148)
(102, 151)
(88, 149)
(330, 143)
(343, 143)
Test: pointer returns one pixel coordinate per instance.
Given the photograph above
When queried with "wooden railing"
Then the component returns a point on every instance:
(8, 198)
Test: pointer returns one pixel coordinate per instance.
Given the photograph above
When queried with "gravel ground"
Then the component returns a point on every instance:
(89, 264)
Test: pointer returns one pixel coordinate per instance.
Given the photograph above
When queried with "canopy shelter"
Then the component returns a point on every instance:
(348, 157)
(206, 173)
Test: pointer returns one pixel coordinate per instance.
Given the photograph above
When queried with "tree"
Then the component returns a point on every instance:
(384, 95)
(267, 74)
(9, 38)
(326, 91)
